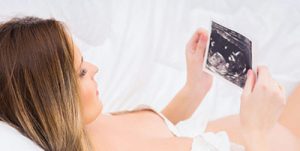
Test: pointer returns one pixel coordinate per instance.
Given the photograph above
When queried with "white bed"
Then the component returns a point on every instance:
(139, 45)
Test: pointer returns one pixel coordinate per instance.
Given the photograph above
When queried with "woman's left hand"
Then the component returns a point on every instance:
(186, 101)
(197, 79)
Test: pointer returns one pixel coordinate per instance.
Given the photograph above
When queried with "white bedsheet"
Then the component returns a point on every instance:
(139, 45)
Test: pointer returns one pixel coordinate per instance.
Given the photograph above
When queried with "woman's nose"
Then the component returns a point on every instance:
(95, 69)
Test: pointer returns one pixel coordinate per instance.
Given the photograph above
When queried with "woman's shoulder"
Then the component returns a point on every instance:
(142, 112)
(135, 109)
(141, 125)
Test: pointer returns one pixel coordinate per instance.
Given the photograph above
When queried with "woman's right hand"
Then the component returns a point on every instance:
(261, 104)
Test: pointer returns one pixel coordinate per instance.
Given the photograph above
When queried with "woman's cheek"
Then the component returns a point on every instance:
(87, 93)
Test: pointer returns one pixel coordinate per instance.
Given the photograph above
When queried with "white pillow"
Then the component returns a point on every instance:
(13, 140)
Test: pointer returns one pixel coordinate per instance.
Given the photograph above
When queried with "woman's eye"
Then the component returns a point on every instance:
(83, 72)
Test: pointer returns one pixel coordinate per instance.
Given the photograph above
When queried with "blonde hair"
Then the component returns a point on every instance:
(38, 84)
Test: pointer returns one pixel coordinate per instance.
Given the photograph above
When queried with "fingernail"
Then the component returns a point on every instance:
(198, 42)
(249, 72)
(200, 36)
(203, 38)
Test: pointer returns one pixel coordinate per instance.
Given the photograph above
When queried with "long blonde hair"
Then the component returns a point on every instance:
(38, 84)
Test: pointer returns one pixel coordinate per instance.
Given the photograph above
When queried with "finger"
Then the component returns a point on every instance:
(249, 83)
(263, 76)
(202, 38)
(283, 92)
(281, 88)
(191, 45)
(201, 46)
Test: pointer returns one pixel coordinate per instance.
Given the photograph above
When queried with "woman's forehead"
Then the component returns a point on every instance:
(77, 57)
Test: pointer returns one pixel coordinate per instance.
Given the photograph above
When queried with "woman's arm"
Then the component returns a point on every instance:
(198, 83)
(183, 105)
(256, 141)
(261, 104)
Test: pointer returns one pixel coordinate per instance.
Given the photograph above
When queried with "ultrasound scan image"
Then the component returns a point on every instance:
(229, 54)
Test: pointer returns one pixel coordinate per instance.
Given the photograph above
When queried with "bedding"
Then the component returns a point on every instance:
(139, 46)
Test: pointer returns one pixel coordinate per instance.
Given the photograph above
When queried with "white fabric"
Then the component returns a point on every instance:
(139, 45)
(12, 140)
(169, 124)
(202, 142)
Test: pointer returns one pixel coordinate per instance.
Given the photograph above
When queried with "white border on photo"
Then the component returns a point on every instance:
(204, 68)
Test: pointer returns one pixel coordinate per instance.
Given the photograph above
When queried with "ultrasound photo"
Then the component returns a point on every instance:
(229, 54)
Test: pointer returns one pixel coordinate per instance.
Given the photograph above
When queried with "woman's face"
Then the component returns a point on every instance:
(91, 104)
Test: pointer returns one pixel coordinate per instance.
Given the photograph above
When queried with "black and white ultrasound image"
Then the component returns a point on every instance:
(229, 54)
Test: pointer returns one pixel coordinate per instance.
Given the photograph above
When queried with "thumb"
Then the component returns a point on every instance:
(201, 45)
(249, 83)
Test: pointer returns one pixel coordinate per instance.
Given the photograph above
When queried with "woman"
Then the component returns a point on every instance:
(38, 84)
(48, 92)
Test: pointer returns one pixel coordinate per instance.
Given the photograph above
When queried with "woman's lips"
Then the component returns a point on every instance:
(97, 92)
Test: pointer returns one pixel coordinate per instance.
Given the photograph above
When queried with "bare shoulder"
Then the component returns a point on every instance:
(142, 130)
(146, 111)
(144, 115)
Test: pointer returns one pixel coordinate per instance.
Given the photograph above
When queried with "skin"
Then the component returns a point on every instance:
(283, 136)
(279, 137)
(147, 130)
(109, 132)
(91, 105)
(290, 116)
